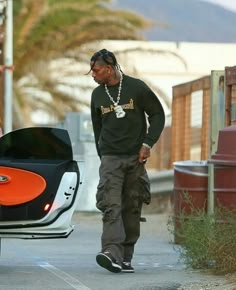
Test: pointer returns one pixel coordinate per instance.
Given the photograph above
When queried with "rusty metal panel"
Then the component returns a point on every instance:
(230, 96)
(233, 106)
(230, 75)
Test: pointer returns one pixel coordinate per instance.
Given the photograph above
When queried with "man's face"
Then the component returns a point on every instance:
(100, 73)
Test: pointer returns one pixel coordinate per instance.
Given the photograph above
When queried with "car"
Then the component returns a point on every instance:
(39, 183)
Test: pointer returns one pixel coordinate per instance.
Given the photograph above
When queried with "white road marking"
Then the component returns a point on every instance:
(76, 284)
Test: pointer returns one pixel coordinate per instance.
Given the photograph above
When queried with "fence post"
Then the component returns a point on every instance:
(217, 117)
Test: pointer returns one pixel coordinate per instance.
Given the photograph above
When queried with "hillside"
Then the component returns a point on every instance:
(185, 20)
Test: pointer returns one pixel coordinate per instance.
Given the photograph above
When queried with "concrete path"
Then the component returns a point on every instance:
(70, 263)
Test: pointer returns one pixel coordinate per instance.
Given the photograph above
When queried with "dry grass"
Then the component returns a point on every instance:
(208, 242)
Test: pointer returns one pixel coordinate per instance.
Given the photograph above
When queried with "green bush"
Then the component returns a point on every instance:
(207, 242)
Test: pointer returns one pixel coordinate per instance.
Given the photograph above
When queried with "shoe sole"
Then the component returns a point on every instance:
(127, 271)
(107, 263)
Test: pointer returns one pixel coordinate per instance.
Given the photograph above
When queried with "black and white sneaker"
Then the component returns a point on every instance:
(127, 267)
(105, 260)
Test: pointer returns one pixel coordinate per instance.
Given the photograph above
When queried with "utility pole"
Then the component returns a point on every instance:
(8, 67)
(2, 17)
(1, 83)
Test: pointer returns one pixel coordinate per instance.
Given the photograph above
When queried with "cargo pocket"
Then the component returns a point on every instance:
(145, 193)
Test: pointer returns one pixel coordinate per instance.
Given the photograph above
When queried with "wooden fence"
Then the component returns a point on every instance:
(193, 134)
(190, 120)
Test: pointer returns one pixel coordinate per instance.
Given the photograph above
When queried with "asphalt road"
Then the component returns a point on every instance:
(70, 263)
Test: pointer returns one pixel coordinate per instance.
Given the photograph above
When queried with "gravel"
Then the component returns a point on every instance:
(227, 282)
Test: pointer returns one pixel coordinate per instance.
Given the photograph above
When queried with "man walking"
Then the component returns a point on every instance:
(120, 108)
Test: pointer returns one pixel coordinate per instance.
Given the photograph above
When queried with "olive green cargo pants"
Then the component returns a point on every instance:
(122, 189)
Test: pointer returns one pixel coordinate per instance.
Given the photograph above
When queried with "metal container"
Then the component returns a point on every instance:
(190, 189)
(190, 177)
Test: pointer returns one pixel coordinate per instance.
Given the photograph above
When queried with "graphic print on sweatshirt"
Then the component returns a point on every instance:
(128, 106)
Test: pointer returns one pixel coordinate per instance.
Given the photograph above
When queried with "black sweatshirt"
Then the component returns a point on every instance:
(125, 136)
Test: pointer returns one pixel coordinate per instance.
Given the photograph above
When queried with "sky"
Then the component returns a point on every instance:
(229, 4)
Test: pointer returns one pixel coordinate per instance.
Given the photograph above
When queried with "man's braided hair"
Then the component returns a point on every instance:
(105, 57)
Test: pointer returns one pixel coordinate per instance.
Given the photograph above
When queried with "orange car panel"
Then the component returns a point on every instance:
(18, 186)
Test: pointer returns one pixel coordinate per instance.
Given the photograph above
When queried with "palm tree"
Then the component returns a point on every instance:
(48, 29)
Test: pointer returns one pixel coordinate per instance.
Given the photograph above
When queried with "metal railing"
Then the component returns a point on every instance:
(162, 182)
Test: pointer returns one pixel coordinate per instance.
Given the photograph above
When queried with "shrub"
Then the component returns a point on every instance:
(207, 241)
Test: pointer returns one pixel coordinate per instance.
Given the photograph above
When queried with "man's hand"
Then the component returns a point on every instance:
(144, 153)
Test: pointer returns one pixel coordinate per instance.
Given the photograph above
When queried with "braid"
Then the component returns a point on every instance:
(105, 57)
(119, 68)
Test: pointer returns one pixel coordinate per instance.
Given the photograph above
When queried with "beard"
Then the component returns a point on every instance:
(100, 82)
